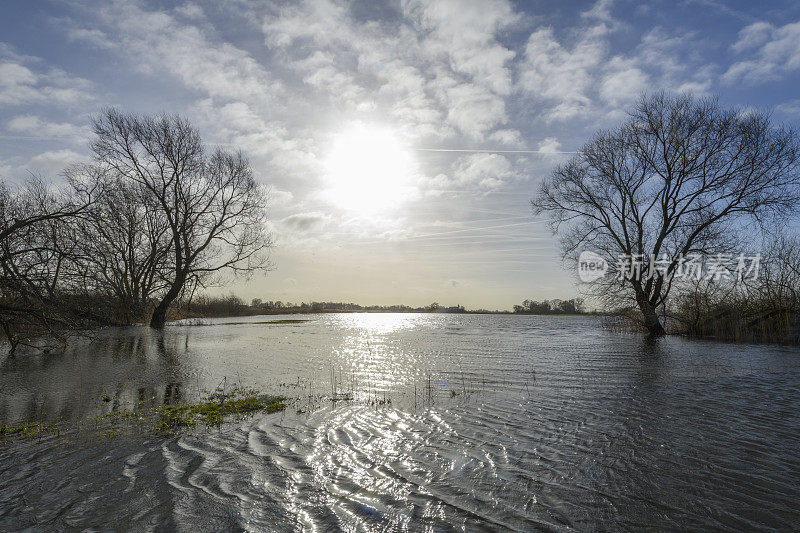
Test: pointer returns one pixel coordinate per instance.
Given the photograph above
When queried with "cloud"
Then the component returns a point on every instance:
(481, 171)
(671, 61)
(54, 161)
(622, 82)
(771, 53)
(561, 75)
(473, 109)
(578, 79)
(465, 33)
(278, 197)
(35, 127)
(437, 70)
(509, 137)
(753, 36)
(303, 222)
(23, 81)
(191, 11)
(792, 107)
(13, 75)
(6, 170)
(601, 11)
(159, 44)
(549, 145)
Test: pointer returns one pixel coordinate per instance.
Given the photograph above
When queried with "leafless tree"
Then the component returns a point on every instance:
(37, 262)
(682, 175)
(762, 308)
(778, 283)
(124, 240)
(212, 205)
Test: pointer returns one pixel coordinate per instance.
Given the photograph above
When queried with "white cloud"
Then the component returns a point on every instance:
(278, 197)
(481, 171)
(438, 72)
(579, 80)
(36, 127)
(321, 72)
(772, 53)
(6, 170)
(549, 145)
(12, 75)
(601, 11)
(753, 36)
(191, 11)
(465, 33)
(22, 83)
(286, 156)
(53, 162)
(508, 137)
(792, 107)
(561, 75)
(473, 109)
(622, 82)
(157, 43)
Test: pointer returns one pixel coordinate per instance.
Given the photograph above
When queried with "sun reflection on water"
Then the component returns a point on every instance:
(382, 323)
(373, 360)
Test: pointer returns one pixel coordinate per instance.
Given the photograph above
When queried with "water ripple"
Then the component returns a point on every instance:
(455, 423)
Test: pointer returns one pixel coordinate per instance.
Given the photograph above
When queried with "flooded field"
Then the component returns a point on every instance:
(411, 421)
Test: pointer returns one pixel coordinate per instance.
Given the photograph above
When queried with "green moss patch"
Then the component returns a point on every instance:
(213, 412)
(170, 419)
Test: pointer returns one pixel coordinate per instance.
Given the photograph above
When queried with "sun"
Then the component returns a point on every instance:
(368, 169)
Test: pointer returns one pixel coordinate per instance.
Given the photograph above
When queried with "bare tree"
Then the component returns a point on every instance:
(778, 283)
(37, 261)
(682, 175)
(212, 205)
(124, 240)
(765, 308)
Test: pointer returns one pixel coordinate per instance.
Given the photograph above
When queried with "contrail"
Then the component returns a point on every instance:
(30, 138)
(481, 150)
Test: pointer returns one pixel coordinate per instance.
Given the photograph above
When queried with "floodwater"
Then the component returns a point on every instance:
(442, 422)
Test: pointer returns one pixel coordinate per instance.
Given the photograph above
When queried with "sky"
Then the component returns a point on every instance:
(401, 141)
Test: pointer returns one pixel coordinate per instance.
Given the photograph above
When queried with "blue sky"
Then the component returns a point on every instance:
(521, 83)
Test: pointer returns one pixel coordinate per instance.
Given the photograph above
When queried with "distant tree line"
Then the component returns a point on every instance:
(575, 306)
(232, 305)
(152, 218)
(322, 307)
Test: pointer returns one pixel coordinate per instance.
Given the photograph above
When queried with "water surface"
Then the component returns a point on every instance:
(443, 422)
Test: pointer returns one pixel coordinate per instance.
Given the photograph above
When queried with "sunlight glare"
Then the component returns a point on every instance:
(368, 170)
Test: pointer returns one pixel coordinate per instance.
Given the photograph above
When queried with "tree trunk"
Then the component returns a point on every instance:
(159, 317)
(13, 340)
(651, 320)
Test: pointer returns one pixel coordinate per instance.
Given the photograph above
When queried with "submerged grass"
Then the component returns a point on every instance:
(175, 418)
(168, 420)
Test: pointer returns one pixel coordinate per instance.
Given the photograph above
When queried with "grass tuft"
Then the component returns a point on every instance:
(173, 419)
(170, 419)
